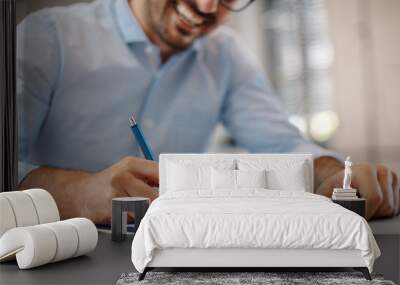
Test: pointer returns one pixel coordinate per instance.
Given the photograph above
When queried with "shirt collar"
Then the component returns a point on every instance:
(130, 28)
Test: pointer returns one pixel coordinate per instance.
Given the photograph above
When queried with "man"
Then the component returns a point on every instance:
(83, 70)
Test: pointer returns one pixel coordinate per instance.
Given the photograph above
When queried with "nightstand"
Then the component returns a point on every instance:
(357, 206)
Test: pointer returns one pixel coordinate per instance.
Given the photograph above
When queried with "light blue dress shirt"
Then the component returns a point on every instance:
(83, 70)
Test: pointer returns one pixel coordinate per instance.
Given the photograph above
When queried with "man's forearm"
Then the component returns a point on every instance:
(325, 167)
(62, 184)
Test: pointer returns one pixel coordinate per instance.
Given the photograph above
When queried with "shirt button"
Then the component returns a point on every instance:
(153, 61)
(152, 55)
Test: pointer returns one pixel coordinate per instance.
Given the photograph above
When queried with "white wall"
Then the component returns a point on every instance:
(365, 35)
(366, 78)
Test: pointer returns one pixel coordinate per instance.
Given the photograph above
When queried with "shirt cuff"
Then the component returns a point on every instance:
(24, 169)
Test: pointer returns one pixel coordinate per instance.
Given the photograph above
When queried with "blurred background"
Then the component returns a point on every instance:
(335, 64)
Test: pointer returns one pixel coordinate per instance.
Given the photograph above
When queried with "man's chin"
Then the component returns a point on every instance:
(178, 44)
(182, 46)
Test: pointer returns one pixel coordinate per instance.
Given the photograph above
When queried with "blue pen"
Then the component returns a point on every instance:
(148, 154)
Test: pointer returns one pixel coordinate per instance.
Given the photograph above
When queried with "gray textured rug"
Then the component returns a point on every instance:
(229, 278)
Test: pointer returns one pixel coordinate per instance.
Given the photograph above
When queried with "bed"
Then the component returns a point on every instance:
(247, 211)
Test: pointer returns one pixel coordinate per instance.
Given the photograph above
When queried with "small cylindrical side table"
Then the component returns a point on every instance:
(120, 208)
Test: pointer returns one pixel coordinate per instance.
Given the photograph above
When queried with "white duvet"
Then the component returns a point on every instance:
(250, 219)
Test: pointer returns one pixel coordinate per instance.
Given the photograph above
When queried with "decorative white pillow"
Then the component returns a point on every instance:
(223, 179)
(226, 179)
(251, 178)
(188, 177)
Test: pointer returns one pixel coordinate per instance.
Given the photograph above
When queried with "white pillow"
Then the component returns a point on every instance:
(223, 179)
(188, 177)
(251, 178)
(292, 180)
(282, 174)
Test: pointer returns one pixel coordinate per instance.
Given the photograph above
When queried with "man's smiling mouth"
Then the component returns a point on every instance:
(186, 13)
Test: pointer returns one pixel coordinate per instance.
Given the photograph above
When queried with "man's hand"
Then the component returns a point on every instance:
(83, 194)
(376, 183)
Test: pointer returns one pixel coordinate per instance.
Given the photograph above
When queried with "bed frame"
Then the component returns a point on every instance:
(256, 259)
(244, 259)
